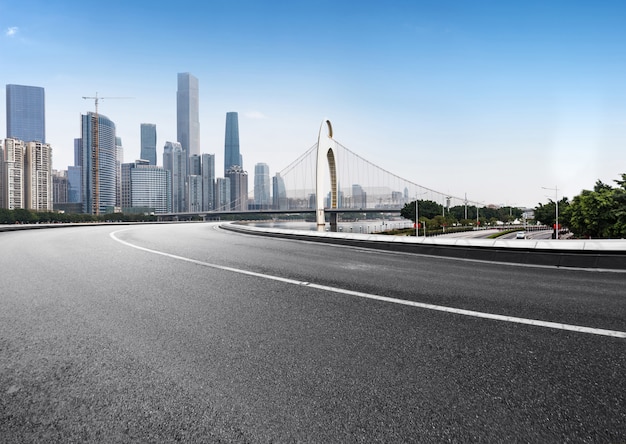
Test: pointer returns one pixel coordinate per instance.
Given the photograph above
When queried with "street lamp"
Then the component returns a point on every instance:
(556, 202)
(417, 220)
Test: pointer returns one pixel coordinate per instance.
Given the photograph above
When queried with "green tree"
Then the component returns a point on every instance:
(600, 213)
(546, 214)
(426, 209)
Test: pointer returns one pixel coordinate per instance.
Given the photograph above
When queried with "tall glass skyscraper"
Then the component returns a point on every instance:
(26, 113)
(99, 190)
(232, 155)
(188, 114)
(279, 193)
(148, 143)
(262, 185)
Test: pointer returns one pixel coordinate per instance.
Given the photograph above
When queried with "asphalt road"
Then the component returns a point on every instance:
(189, 333)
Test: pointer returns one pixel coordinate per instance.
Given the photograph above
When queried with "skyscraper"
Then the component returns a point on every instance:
(208, 182)
(188, 114)
(175, 161)
(148, 143)
(222, 194)
(119, 160)
(279, 193)
(99, 173)
(232, 155)
(238, 188)
(262, 199)
(12, 175)
(38, 176)
(26, 113)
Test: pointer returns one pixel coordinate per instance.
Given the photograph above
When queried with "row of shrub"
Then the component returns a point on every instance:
(23, 216)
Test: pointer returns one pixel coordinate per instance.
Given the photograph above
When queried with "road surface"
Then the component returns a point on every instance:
(189, 333)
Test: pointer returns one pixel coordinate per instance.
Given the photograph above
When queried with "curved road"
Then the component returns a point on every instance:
(186, 332)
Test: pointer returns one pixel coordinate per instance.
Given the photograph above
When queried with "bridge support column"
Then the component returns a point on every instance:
(333, 222)
(325, 155)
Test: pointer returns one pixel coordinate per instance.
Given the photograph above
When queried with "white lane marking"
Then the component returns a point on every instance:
(459, 311)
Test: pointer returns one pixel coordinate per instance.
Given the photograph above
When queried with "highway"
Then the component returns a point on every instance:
(190, 333)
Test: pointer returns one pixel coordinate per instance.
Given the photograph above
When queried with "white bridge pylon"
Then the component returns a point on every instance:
(326, 156)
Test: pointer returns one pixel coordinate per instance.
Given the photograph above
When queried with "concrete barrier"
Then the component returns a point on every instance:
(582, 254)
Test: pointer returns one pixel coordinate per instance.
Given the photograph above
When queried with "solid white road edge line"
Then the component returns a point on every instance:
(476, 314)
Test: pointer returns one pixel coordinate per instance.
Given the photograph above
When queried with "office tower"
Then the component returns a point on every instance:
(262, 198)
(231, 142)
(279, 193)
(74, 184)
(38, 176)
(59, 187)
(188, 114)
(222, 186)
(146, 188)
(99, 172)
(12, 175)
(238, 188)
(26, 111)
(78, 152)
(208, 182)
(148, 143)
(175, 161)
(359, 197)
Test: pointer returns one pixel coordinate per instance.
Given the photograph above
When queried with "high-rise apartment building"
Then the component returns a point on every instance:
(25, 113)
(188, 114)
(232, 155)
(194, 192)
(175, 161)
(149, 143)
(99, 171)
(208, 182)
(238, 188)
(222, 194)
(262, 186)
(26, 175)
(38, 176)
(195, 165)
(12, 175)
(119, 160)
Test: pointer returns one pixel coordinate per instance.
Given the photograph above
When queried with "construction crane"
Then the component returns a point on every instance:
(95, 154)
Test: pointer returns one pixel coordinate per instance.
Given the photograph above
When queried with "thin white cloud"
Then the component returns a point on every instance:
(10, 32)
(255, 115)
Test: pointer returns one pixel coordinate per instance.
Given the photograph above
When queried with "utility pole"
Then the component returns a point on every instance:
(95, 154)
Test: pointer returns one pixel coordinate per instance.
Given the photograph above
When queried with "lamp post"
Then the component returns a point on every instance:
(556, 203)
(417, 220)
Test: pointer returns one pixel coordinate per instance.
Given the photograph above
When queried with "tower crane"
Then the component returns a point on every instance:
(95, 154)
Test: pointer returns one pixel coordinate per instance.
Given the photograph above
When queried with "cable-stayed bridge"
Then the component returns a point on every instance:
(330, 177)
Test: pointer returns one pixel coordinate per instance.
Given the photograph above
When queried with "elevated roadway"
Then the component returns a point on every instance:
(188, 332)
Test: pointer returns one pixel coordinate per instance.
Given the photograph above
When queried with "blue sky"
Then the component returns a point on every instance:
(490, 98)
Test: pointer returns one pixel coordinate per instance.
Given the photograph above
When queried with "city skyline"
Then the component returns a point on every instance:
(492, 100)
